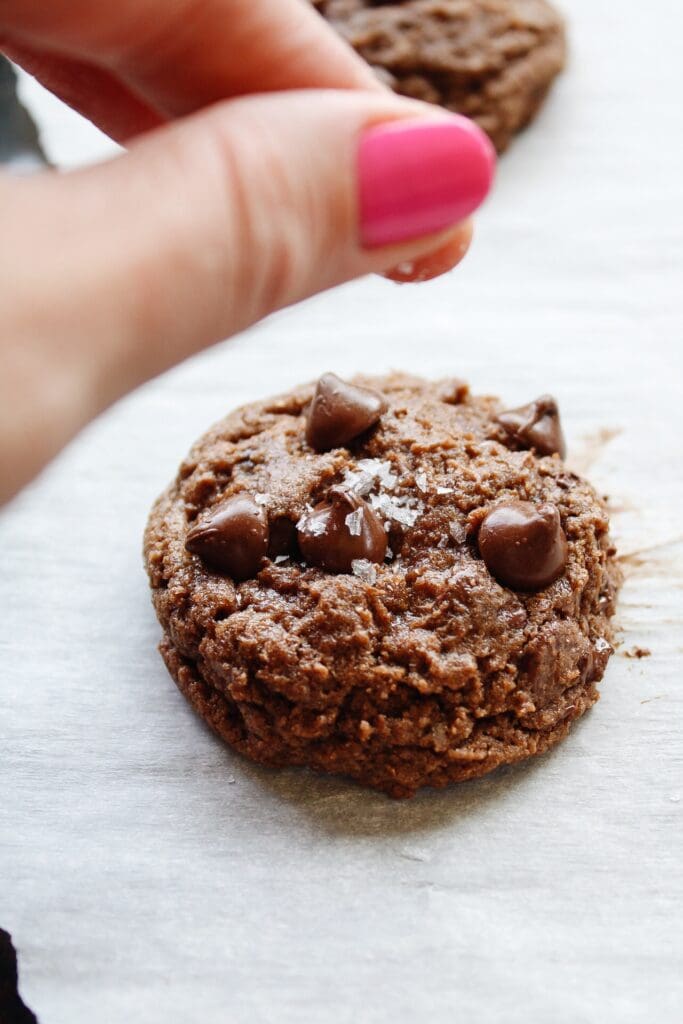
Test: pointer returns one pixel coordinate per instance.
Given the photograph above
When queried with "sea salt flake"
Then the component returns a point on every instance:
(364, 570)
(354, 522)
(458, 533)
(443, 542)
(405, 511)
(381, 471)
(405, 516)
(262, 499)
(313, 526)
(361, 483)
(379, 502)
(444, 490)
(602, 645)
(421, 481)
(279, 559)
(368, 474)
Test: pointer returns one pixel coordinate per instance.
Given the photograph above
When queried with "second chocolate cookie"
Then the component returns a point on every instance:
(491, 60)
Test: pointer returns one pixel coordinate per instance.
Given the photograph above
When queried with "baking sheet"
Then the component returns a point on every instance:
(148, 874)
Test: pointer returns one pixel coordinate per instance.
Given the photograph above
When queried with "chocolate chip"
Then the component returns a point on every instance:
(341, 411)
(340, 531)
(232, 538)
(536, 425)
(523, 545)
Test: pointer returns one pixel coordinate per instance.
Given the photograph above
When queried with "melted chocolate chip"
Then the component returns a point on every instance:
(232, 538)
(339, 412)
(536, 425)
(523, 545)
(340, 531)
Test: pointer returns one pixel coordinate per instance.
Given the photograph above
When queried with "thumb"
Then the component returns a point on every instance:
(211, 223)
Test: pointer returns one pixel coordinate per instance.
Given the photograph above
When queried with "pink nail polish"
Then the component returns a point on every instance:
(419, 177)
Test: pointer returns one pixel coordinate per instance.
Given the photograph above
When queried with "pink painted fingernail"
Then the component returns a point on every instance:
(419, 177)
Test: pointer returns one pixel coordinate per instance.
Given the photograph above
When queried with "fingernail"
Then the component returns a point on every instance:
(419, 177)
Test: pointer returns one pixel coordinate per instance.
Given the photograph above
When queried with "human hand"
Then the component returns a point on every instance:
(266, 164)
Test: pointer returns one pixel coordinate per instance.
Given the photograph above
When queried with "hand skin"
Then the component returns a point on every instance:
(236, 196)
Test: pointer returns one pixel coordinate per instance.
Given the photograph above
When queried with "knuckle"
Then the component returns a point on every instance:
(270, 223)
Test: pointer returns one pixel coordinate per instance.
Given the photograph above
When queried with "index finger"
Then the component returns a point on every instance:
(181, 55)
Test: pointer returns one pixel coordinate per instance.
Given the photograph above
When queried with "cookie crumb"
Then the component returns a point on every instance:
(638, 652)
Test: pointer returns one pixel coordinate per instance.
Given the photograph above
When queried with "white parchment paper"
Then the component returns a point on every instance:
(150, 875)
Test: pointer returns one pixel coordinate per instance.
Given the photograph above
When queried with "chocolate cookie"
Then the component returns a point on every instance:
(492, 60)
(390, 579)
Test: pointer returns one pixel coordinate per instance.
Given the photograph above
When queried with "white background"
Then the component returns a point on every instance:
(150, 875)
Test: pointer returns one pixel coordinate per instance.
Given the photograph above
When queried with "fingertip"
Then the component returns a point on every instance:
(436, 263)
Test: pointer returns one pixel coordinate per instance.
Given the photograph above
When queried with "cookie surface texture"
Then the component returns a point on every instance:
(491, 60)
(405, 664)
